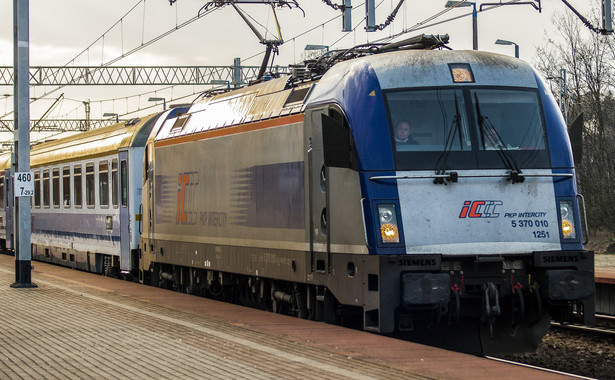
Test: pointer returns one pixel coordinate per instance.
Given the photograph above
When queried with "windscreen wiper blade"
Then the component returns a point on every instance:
(489, 133)
(448, 146)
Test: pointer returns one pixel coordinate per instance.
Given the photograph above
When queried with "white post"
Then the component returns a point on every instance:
(21, 163)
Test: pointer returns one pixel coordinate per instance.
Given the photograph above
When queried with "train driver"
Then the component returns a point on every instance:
(403, 134)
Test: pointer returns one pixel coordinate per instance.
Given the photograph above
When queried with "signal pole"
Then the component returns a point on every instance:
(21, 162)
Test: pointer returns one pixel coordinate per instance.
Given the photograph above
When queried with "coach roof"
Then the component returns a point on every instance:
(93, 143)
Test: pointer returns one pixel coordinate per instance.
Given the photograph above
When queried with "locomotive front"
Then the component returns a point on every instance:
(468, 194)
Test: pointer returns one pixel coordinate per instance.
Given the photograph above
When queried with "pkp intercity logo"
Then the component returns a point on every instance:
(480, 209)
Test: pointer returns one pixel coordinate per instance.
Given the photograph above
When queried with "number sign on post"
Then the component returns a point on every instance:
(24, 184)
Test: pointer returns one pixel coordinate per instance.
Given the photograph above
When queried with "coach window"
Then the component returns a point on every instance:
(114, 184)
(78, 187)
(2, 192)
(46, 189)
(37, 189)
(56, 187)
(124, 178)
(66, 186)
(90, 188)
(103, 183)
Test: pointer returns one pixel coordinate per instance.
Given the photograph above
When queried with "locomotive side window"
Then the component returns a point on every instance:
(90, 188)
(37, 189)
(103, 183)
(56, 186)
(148, 163)
(114, 183)
(78, 186)
(66, 186)
(46, 189)
(338, 145)
(124, 177)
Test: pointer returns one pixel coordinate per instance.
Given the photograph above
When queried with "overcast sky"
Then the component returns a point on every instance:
(61, 29)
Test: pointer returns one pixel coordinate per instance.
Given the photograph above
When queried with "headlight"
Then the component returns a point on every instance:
(386, 214)
(389, 231)
(566, 212)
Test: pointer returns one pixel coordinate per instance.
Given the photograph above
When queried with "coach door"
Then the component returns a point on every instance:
(125, 226)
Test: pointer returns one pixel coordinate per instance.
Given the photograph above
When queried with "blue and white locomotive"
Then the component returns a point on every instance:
(294, 195)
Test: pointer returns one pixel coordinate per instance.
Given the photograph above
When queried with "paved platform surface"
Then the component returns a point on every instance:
(77, 325)
(605, 268)
(605, 275)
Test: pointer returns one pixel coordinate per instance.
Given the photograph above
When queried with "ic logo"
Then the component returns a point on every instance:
(480, 209)
(186, 196)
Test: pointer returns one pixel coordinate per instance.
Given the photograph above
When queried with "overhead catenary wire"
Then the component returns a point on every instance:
(418, 26)
(203, 13)
(135, 96)
(144, 43)
(423, 24)
(105, 33)
(294, 39)
(101, 39)
(390, 17)
(123, 55)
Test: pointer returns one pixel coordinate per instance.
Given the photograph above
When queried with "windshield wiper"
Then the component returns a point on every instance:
(448, 146)
(490, 134)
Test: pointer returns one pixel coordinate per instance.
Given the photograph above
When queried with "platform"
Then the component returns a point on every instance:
(80, 325)
(605, 290)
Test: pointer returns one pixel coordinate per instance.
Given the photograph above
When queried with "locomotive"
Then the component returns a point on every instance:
(294, 195)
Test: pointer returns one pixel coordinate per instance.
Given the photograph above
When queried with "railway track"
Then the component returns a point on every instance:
(574, 349)
(572, 375)
(605, 325)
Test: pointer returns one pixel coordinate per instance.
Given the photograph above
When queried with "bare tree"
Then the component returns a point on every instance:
(588, 59)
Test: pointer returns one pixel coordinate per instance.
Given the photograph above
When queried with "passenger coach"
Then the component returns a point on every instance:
(87, 197)
(6, 204)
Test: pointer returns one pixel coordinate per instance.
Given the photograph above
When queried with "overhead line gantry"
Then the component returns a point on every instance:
(234, 75)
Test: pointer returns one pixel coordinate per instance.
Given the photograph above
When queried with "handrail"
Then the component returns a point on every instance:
(455, 174)
(364, 223)
(586, 237)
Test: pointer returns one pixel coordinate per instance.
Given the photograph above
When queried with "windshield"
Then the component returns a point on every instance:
(466, 128)
(514, 116)
(424, 120)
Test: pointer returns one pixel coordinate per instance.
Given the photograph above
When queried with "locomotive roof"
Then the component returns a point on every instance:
(429, 68)
(432, 68)
(267, 100)
(97, 142)
(422, 68)
(397, 69)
